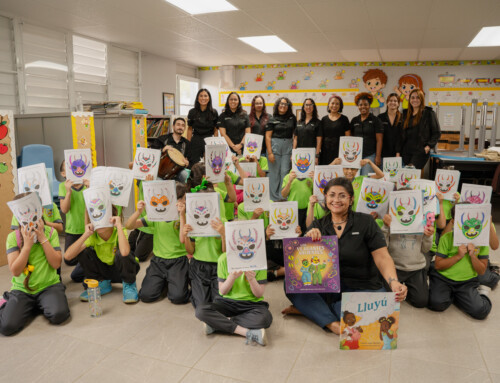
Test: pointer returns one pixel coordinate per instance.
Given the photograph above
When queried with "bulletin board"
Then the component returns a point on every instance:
(8, 175)
(458, 96)
(139, 140)
(82, 125)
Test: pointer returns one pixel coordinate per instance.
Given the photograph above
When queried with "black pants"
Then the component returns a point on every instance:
(20, 307)
(77, 273)
(197, 148)
(418, 289)
(274, 253)
(171, 274)
(204, 284)
(141, 244)
(489, 278)
(124, 269)
(302, 220)
(443, 292)
(225, 314)
(418, 159)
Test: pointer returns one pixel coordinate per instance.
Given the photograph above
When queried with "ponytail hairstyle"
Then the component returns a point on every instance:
(398, 113)
(196, 177)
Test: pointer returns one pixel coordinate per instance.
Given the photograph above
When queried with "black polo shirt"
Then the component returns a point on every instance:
(392, 134)
(235, 125)
(259, 124)
(183, 146)
(367, 129)
(307, 133)
(202, 122)
(360, 237)
(282, 126)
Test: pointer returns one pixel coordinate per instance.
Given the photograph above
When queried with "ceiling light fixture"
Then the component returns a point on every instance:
(487, 37)
(267, 44)
(196, 7)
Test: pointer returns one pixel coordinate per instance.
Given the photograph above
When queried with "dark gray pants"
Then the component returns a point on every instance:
(418, 289)
(77, 273)
(171, 274)
(124, 269)
(489, 278)
(443, 292)
(204, 284)
(225, 314)
(141, 244)
(20, 307)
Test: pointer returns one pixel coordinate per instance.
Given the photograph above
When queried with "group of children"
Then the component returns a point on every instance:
(187, 268)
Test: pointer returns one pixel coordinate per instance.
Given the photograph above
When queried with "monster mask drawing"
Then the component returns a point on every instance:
(119, 183)
(79, 165)
(474, 197)
(202, 212)
(284, 218)
(245, 244)
(145, 162)
(29, 215)
(160, 201)
(34, 178)
(97, 209)
(471, 226)
(217, 162)
(351, 151)
(98, 206)
(445, 183)
(322, 179)
(255, 192)
(391, 168)
(252, 146)
(303, 162)
(405, 210)
(374, 198)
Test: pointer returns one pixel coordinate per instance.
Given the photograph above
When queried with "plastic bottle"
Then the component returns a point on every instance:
(94, 294)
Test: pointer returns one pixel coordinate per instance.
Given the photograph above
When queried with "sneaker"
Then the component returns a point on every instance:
(208, 329)
(484, 290)
(104, 287)
(495, 269)
(130, 293)
(2, 301)
(257, 336)
(271, 276)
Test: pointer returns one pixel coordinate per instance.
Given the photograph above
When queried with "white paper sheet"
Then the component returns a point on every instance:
(146, 161)
(27, 210)
(98, 204)
(214, 163)
(256, 193)
(323, 174)
(245, 245)
(476, 194)
(406, 210)
(351, 151)
(303, 160)
(472, 224)
(284, 219)
(34, 178)
(253, 145)
(119, 183)
(447, 182)
(161, 200)
(78, 165)
(201, 209)
(374, 196)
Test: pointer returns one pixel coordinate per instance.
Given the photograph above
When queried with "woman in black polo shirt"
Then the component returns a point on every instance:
(233, 123)
(279, 136)
(258, 119)
(369, 127)
(363, 257)
(202, 120)
(392, 122)
(307, 132)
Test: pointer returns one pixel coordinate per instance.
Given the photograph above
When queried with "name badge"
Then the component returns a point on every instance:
(355, 233)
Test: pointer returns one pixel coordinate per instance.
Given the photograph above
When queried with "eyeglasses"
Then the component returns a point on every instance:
(340, 197)
(283, 104)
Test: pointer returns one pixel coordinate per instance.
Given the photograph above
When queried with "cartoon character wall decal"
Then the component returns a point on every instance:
(259, 76)
(243, 85)
(470, 197)
(445, 184)
(270, 85)
(97, 209)
(375, 80)
(374, 198)
(351, 151)
(255, 192)
(217, 162)
(339, 75)
(404, 210)
(246, 245)
(284, 218)
(294, 84)
(322, 84)
(281, 75)
(303, 162)
(146, 161)
(79, 166)
(471, 227)
(308, 75)
(406, 84)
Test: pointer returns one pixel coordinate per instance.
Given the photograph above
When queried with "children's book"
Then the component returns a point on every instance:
(369, 321)
(284, 218)
(146, 161)
(161, 199)
(303, 160)
(323, 174)
(472, 224)
(253, 145)
(78, 165)
(201, 209)
(214, 162)
(246, 245)
(447, 183)
(311, 267)
(256, 193)
(350, 151)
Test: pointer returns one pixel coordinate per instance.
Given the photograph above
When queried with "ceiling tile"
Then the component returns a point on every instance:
(231, 46)
(294, 21)
(190, 27)
(447, 38)
(235, 24)
(450, 13)
(361, 55)
(394, 38)
(433, 54)
(487, 53)
(339, 14)
(353, 38)
(398, 12)
(399, 54)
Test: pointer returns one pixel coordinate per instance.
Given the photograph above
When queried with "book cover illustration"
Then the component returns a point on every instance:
(311, 267)
(369, 321)
(78, 165)
(146, 161)
(472, 224)
(303, 160)
(323, 174)
(350, 151)
(246, 245)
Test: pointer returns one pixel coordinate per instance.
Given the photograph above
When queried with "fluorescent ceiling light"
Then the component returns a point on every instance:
(268, 44)
(487, 37)
(196, 7)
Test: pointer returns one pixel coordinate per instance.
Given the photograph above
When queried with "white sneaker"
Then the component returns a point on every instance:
(484, 290)
(208, 329)
(257, 336)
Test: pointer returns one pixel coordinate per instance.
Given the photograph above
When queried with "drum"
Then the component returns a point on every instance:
(171, 163)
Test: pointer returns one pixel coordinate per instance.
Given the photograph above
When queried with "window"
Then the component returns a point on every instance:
(124, 75)
(8, 75)
(90, 69)
(187, 87)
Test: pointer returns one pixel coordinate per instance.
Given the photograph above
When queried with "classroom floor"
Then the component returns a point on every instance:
(161, 342)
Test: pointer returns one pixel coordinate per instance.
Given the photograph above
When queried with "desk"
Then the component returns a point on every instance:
(470, 167)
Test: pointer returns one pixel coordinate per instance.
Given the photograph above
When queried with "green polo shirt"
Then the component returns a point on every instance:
(300, 190)
(145, 229)
(356, 185)
(262, 163)
(105, 250)
(44, 275)
(75, 217)
(247, 215)
(49, 215)
(463, 269)
(241, 290)
(166, 243)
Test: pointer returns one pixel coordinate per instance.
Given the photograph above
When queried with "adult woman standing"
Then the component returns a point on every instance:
(307, 133)
(369, 127)
(363, 257)
(233, 123)
(202, 121)
(332, 127)
(392, 121)
(420, 133)
(258, 119)
(279, 136)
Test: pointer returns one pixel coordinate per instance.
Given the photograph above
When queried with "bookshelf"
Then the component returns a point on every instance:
(158, 125)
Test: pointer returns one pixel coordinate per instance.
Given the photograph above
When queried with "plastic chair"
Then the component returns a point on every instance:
(35, 154)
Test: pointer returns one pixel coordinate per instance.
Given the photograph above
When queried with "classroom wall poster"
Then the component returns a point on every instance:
(476, 194)
(161, 199)
(214, 162)
(447, 182)
(146, 161)
(98, 204)
(284, 218)
(78, 165)
(369, 321)
(405, 208)
(33, 178)
(374, 196)
(256, 193)
(119, 183)
(323, 174)
(472, 224)
(245, 245)
(253, 145)
(201, 209)
(303, 161)
(350, 151)
(311, 267)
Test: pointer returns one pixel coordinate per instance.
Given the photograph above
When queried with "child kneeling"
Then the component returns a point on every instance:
(35, 283)
(105, 256)
(241, 308)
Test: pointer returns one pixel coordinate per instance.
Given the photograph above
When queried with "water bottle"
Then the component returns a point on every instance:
(94, 294)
